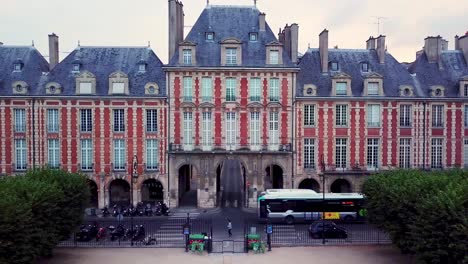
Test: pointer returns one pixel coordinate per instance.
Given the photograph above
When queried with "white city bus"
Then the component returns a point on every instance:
(296, 205)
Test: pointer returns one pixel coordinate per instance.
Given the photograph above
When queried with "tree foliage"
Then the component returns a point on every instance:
(37, 211)
(425, 213)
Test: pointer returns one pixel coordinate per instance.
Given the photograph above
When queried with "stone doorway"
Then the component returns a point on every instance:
(119, 192)
(188, 185)
(274, 177)
(152, 191)
(231, 184)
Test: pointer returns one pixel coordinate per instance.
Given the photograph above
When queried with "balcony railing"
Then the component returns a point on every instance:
(255, 98)
(207, 98)
(230, 98)
(230, 147)
(187, 98)
(274, 98)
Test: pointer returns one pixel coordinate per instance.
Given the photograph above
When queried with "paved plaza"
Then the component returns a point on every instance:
(316, 255)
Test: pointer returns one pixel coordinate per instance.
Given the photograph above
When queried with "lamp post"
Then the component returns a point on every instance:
(322, 173)
(133, 178)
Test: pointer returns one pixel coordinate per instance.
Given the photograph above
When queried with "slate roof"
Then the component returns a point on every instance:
(453, 68)
(102, 62)
(349, 61)
(34, 65)
(230, 22)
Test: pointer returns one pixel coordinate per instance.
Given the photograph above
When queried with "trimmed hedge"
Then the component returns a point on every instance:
(37, 211)
(425, 213)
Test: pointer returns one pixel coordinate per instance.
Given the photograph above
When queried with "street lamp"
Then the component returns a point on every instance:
(322, 174)
(133, 178)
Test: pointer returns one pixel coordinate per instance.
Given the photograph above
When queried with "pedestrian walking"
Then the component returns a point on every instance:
(229, 228)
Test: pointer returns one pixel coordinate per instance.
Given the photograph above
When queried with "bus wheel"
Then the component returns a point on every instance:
(289, 220)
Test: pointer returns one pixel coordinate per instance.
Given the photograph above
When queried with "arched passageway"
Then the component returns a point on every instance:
(340, 186)
(152, 191)
(187, 186)
(93, 189)
(274, 177)
(310, 184)
(119, 192)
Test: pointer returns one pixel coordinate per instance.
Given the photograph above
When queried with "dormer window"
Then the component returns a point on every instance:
(274, 57)
(341, 84)
(86, 88)
(17, 66)
(142, 67)
(76, 67)
(464, 86)
(437, 91)
(209, 36)
(274, 53)
(19, 87)
(118, 83)
(341, 88)
(231, 56)
(373, 84)
(406, 90)
(253, 36)
(372, 88)
(53, 88)
(365, 67)
(118, 88)
(334, 66)
(85, 83)
(187, 53)
(231, 52)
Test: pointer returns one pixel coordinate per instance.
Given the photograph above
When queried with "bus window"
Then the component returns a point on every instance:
(276, 206)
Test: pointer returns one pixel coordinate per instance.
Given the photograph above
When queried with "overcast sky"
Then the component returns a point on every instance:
(135, 22)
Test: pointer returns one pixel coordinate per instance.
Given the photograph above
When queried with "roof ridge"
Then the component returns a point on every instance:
(232, 6)
(114, 47)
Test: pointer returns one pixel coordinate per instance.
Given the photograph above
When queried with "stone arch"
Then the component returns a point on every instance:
(274, 176)
(310, 184)
(119, 192)
(152, 190)
(188, 184)
(341, 186)
(93, 188)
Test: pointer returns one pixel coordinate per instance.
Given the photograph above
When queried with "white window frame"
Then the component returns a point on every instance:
(119, 154)
(21, 154)
(254, 86)
(437, 153)
(437, 115)
(152, 157)
(188, 128)
(187, 56)
(341, 115)
(309, 115)
(188, 86)
(207, 127)
(341, 88)
(17, 67)
(231, 130)
(53, 147)
(119, 120)
(20, 120)
(86, 154)
(118, 88)
(273, 131)
(254, 129)
(373, 115)
(151, 120)
(274, 57)
(274, 90)
(52, 120)
(406, 115)
(86, 88)
(405, 153)
(86, 120)
(466, 116)
(231, 89)
(372, 88)
(231, 56)
(207, 89)
(309, 153)
(341, 153)
(372, 153)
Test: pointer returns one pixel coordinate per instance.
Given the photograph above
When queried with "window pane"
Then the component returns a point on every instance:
(274, 57)
(373, 88)
(86, 154)
(255, 89)
(231, 56)
(466, 115)
(20, 154)
(309, 153)
(187, 56)
(118, 88)
(206, 130)
(86, 121)
(119, 120)
(274, 90)
(20, 120)
(405, 153)
(231, 131)
(341, 115)
(437, 115)
(52, 120)
(152, 154)
(436, 153)
(309, 115)
(405, 115)
(230, 89)
(187, 131)
(151, 120)
(274, 131)
(86, 88)
(341, 153)
(54, 156)
(373, 115)
(119, 154)
(341, 88)
(207, 90)
(255, 130)
(188, 89)
(372, 153)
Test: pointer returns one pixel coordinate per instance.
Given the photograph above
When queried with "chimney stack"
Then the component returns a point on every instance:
(176, 26)
(294, 42)
(381, 49)
(463, 46)
(370, 43)
(457, 43)
(261, 22)
(53, 50)
(433, 47)
(323, 49)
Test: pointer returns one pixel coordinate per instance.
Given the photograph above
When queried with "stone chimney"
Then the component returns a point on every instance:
(323, 49)
(457, 43)
(281, 36)
(294, 42)
(176, 26)
(463, 44)
(433, 47)
(370, 43)
(381, 49)
(53, 50)
(261, 22)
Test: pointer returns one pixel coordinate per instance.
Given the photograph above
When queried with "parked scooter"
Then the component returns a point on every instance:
(117, 232)
(101, 234)
(140, 234)
(87, 232)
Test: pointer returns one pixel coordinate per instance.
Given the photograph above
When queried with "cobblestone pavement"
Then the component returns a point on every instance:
(316, 255)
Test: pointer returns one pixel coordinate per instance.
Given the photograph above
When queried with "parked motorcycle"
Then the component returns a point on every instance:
(117, 232)
(139, 234)
(101, 233)
(115, 211)
(87, 232)
(105, 212)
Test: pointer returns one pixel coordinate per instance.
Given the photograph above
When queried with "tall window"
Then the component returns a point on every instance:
(54, 156)
(86, 120)
(119, 120)
(20, 120)
(255, 89)
(465, 151)
(274, 131)
(207, 130)
(274, 89)
(341, 115)
(255, 130)
(341, 88)
(309, 115)
(341, 153)
(309, 153)
(151, 120)
(274, 57)
(52, 121)
(187, 89)
(86, 154)
(373, 88)
(188, 130)
(466, 115)
(119, 154)
(231, 130)
(187, 56)
(436, 153)
(21, 155)
(230, 89)
(405, 115)
(437, 115)
(372, 153)
(207, 89)
(465, 90)
(231, 56)
(405, 153)
(151, 154)
(373, 115)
